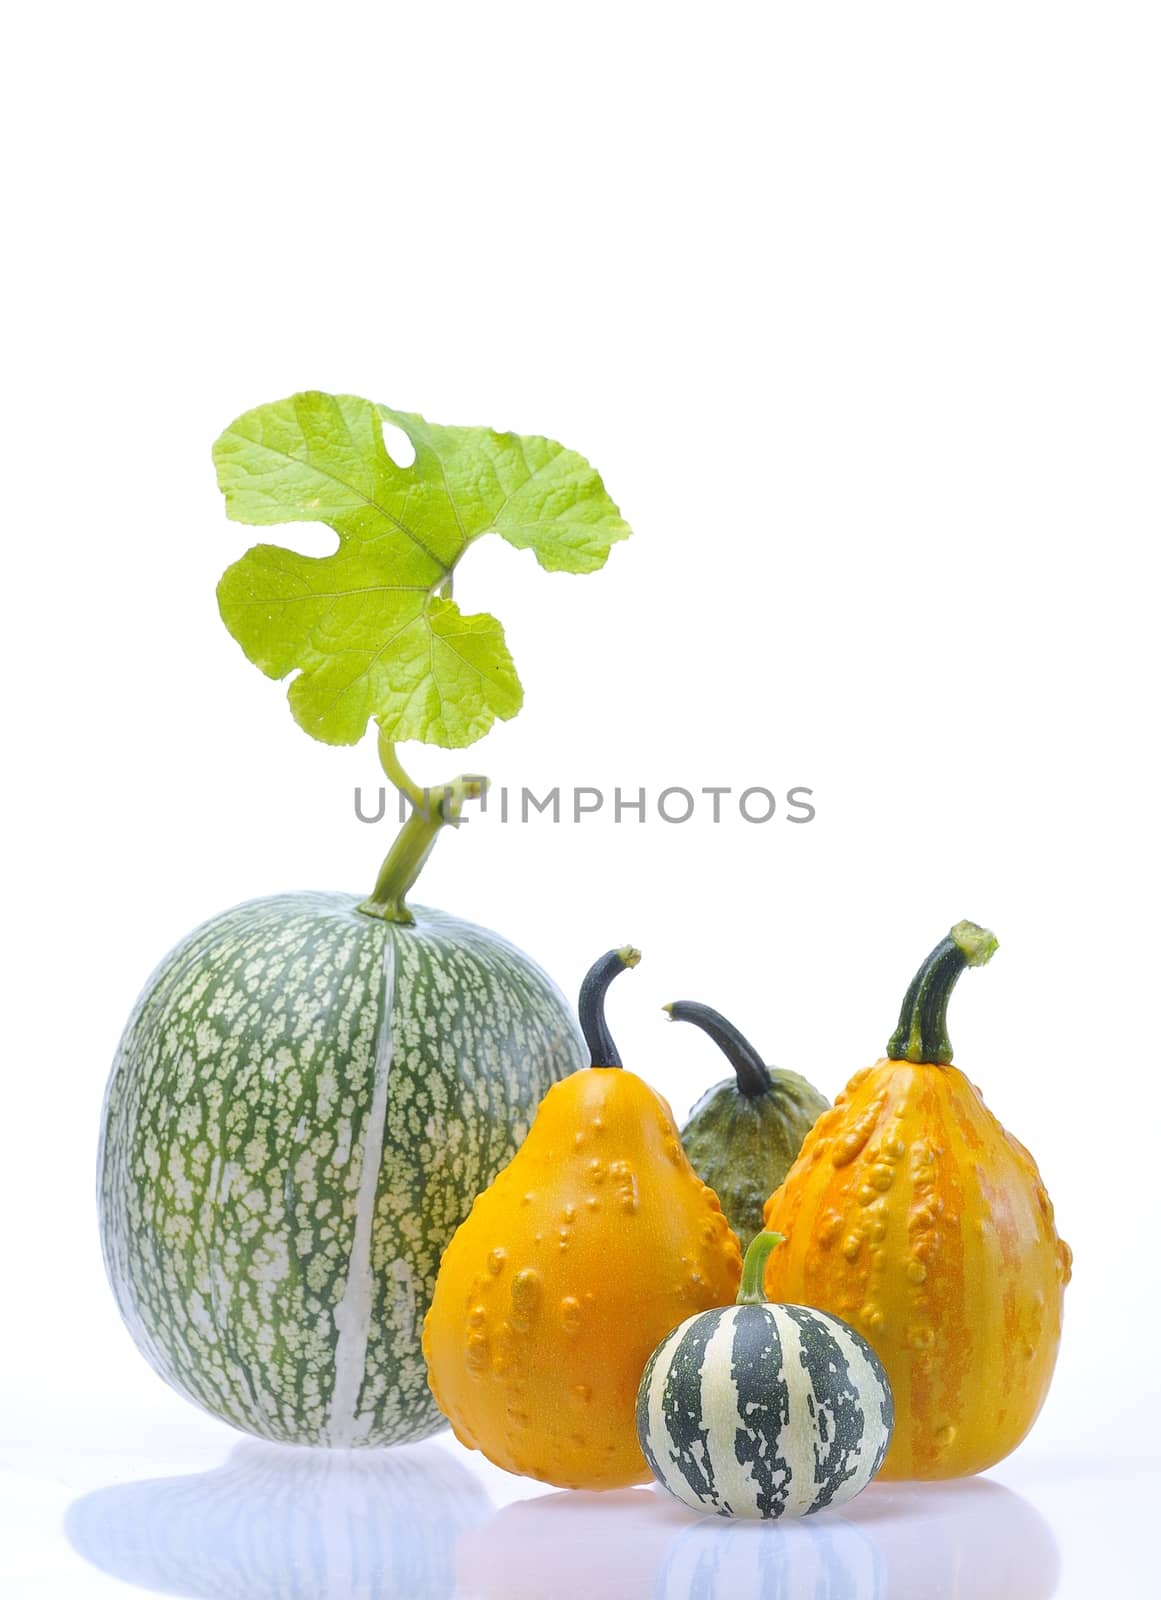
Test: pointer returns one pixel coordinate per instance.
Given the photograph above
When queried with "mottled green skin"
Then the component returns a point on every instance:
(744, 1146)
(262, 1266)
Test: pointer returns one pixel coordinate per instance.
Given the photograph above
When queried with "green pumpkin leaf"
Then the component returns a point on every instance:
(366, 630)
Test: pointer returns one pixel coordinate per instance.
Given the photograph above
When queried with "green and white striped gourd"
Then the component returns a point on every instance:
(303, 1107)
(762, 1410)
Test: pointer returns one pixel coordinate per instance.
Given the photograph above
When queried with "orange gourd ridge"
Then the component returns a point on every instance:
(594, 1242)
(914, 1216)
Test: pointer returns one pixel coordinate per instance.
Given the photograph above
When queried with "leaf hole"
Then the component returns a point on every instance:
(396, 443)
(315, 539)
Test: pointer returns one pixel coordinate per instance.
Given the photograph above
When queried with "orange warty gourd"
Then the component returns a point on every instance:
(911, 1214)
(593, 1243)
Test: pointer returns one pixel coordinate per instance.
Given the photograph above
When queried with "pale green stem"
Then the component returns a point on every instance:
(431, 810)
(753, 1289)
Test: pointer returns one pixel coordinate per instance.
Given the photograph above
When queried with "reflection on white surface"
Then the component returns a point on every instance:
(641, 1545)
(973, 1540)
(280, 1524)
(823, 1557)
(602, 1546)
(283, 1524)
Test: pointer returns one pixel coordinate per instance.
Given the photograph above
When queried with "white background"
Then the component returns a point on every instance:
(856, 310)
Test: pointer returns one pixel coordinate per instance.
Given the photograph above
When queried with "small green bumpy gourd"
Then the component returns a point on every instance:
(761, 1410)
(744, 1134)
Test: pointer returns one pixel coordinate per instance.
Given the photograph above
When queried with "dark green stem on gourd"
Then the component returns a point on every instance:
(431, 810)
(922, 1031)
(752, 1291)
(752, 1073)
(591, 1006)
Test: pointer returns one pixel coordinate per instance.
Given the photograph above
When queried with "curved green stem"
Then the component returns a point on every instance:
(591, 1006)
(393, 767)
(922, 1031)
(753, 1286)
(431, 810)
(752, 1073)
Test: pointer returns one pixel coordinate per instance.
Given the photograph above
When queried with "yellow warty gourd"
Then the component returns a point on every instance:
(915, 1217)
(590, 1246)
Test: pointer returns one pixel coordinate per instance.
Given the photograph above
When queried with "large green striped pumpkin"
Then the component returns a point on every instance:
(304, 1105)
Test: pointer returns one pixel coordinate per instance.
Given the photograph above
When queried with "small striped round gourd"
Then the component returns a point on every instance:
(762, 1410)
